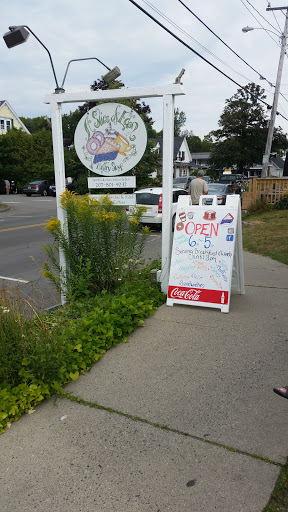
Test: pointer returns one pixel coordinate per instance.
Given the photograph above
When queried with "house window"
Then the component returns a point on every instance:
(183, 156)
(8, 125)
(2, 124)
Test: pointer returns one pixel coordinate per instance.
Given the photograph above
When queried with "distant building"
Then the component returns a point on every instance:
(181, 157)
(275, 168)
(9, 119)
(200, 161)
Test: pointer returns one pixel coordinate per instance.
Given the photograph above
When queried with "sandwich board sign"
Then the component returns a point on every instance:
(207, 257)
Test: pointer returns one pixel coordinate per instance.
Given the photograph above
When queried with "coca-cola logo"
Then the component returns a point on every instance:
(184, 294)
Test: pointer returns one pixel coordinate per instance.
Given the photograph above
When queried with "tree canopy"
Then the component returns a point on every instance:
(240, 140)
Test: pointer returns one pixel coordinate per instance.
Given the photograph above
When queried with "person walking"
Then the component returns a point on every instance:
(197, 188)
(7, 186)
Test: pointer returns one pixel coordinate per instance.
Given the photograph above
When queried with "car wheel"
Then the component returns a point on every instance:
(44, 193)
(173, 221)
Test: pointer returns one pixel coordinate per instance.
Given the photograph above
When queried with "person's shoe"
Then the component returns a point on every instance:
(281, 391)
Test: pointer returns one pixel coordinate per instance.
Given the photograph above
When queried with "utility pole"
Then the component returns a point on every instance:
(266, 156)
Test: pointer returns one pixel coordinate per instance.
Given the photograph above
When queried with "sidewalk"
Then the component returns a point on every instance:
(199, 383)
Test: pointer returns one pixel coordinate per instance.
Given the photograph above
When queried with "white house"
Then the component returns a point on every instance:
(181, 157)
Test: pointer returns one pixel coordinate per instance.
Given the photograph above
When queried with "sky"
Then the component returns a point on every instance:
(119, 34)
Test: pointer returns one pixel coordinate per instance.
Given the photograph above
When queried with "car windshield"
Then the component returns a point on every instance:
(216, 188)
(35, 182)
(147, 198)
(179, 180)
(228, 177)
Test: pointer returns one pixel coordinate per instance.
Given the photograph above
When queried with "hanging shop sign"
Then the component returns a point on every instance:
(110, 139)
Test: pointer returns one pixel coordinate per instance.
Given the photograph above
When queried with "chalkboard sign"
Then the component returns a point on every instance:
(207, 251)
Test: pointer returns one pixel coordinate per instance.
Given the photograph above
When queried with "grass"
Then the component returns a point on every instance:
(279, 498)
(3, 207)
(267, 234)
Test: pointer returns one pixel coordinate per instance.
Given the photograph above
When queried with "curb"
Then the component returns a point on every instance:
(4, 209)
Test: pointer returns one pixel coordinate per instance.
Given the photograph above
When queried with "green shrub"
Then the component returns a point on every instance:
(102, 246)
(282, 204)
(259, 206)
(57, 347)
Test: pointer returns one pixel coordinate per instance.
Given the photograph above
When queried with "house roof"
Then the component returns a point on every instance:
(2, 102)
(177, 145)
(278, 161)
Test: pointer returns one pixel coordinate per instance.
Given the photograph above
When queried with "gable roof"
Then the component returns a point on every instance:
(278, 161)
(178, 141)
(5, 102)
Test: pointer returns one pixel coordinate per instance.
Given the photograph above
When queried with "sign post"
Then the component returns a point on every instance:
(207, 258)
(167, 92)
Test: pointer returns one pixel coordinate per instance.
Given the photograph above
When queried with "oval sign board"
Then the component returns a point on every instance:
(110, 139)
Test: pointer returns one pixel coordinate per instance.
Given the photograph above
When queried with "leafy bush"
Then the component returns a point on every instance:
(259, 206)
(102, 246)
(59, 346)
(282, 204)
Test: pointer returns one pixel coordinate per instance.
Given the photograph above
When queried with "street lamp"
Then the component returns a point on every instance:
(19, 34)
(266, 156)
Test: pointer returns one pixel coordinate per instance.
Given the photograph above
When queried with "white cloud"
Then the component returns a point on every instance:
(119, 34)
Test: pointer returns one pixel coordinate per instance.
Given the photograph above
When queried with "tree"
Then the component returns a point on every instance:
(24, 157)
(179, 121)
(241, 138)
(34, 124)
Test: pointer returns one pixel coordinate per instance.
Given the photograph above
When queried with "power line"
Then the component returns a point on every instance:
(201, 21)
(197, 42)
(259, 23)
(231, 49)
(196, 53)
(263, 17)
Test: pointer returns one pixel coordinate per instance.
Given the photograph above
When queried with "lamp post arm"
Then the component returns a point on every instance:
(87, 58)
(275, 101)
(46, 51)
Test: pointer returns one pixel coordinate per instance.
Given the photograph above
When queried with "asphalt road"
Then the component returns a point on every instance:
(22, 236)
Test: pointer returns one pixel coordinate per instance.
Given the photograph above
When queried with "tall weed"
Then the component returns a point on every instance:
(101, 245)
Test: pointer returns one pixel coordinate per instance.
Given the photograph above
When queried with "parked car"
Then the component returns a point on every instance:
(151, 198)
(70, 185)
(36, 187)
(208, 179)
(2, 187)
(232, 178)
(221, 190)
(180, 182)
(189, 179)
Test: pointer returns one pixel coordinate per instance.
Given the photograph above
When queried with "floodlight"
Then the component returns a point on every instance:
(17, 35)
(111, 75)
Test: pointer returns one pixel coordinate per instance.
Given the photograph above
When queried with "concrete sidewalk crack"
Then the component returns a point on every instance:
(95, 405)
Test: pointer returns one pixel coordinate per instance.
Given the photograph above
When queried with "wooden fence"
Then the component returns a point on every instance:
(269, 188)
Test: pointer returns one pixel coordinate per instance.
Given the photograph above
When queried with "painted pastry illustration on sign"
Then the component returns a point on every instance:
(227, 219)
(209, 215)
(110, 139)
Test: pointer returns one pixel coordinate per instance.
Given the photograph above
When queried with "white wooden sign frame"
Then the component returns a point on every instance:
(168, 93)
(207, 256)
